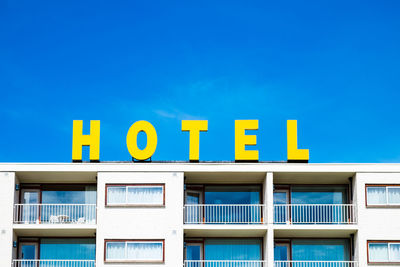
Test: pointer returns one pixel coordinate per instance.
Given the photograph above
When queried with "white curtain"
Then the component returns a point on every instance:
(376, 195)
(145, 251)
(145, 195)
(115, 251)
(378, 252)
(394, 195)
(116, 195)
(395, 252)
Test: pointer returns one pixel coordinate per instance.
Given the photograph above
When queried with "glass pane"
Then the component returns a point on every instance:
(28, 252)
(378, 252)
(116, 195)
(395, 252)
(68, 248)
(394, 195)
(192, 198)
(63, 197)
(319, 195)
(320, 250)
(281, 252)
(144, 251)
(376, 195)
(280, 197)
(145, 195)
(232, 194)
(31, 197)
(193, 252)
(115, 251)
(233, 249)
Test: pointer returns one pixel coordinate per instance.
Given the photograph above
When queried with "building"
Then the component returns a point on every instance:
(199, 214)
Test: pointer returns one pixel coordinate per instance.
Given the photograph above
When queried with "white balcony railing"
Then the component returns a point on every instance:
(53, 263)
(315, 214)
(224, 263)
(315, 264)
(55, 213)
(224, 214)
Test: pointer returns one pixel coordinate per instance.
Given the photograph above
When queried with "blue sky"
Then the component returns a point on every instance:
(332, 65)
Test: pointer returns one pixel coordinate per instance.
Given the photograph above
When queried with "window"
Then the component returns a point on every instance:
(135, 195)
(384, 251)
(134, 250)
(383, 195)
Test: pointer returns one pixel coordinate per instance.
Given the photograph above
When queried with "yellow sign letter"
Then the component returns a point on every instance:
(194, 127)
(241, 140)
(131, 140)
(79, 140)
(294, 154)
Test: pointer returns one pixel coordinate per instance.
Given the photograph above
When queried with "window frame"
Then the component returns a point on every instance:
(126, 204)
(126, 241)
(385, 205)
(388, 243)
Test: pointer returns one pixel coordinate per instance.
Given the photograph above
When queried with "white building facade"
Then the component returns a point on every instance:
(199, 214)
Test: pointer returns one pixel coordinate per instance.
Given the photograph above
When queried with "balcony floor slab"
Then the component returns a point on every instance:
(39, 230)
(226, 230)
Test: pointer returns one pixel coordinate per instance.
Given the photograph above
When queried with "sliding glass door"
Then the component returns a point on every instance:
(194, 211)
(312, 253)
(281, 210)
(30, 210)
(233, 204)
(321, 204)
(224, 252)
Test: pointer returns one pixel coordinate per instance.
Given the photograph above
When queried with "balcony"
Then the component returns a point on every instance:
(54, 263)
(315, 214)
(315, 264)
(55, 214)
(224, 214)
(225, 263)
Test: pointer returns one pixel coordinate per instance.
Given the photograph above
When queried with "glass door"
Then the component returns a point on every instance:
(282, 251)
(28, 253)
(281, 208)
(194, 254)
(194, 211)
(30, 213)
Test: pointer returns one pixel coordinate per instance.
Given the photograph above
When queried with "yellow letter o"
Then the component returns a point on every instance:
(131, 140)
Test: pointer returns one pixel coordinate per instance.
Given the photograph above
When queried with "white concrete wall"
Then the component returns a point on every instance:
(269, 238)
(167, 222)
(6, 217)
(142, 223)
(375, 223)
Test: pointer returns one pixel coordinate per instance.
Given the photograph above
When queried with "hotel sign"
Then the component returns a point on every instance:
(194, 127)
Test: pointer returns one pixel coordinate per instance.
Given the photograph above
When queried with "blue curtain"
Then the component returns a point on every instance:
(68, 248)
(233, 249)
(320, 250)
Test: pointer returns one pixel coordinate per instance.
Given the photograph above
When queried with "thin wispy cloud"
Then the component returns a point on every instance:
(177, 114)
